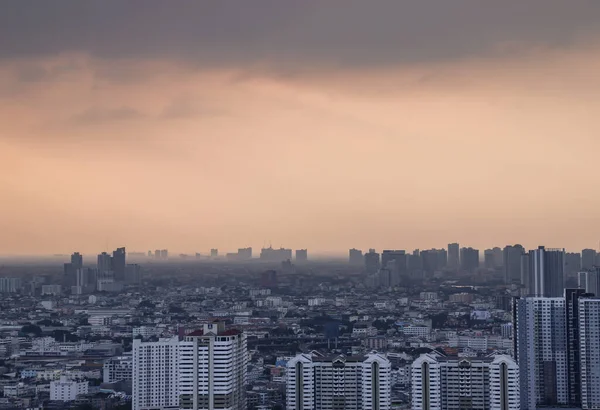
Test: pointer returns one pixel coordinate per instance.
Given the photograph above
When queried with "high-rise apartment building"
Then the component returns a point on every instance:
(341, 382)
(540, 339)
(244, 253)
(572, 297)
(355, 257)
(590, 281)
(453, 256)
(104, 264)
(589, 349)
(155, 374)
(133, 274)
(77, 260)
(372, 263)
(512, 263)
(301, 255)
(469, 259)
(445, 383)
(546, 271)
(212, 369)
(205, 370)
(10, 285)
(588, 259)
(275, 255)
(118, 264)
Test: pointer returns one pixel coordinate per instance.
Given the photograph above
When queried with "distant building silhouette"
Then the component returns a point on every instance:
(546, 270)
(118, 263)
(512, 263)
(453, 256)
(214, 253)
(244, 253)
(301, 255)
(372, 262)
(469, 259)
(355, 257)
(275, 255)
(588, 259)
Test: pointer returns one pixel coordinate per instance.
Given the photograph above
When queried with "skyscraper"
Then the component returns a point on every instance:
(372, 263)
(588, 259)
(525, 275)
(156, 374)
(453, 256)
(541, 351)
(590, 281)
(214, 253)
(589, 337)
(212, 369)
(77, 260)
(512, 263)
(244, 253)
(339, 382)
(301, 255)
(572, 297)
(118, 263)
(469, 259)
(104, 264)
(546, 270)
(355, 257)
(445, 383)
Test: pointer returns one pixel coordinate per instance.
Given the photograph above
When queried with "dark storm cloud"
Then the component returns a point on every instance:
(302, 32)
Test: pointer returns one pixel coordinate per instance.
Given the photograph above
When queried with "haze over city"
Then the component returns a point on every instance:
(314, 124)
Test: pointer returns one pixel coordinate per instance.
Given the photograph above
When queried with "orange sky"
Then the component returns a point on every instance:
(150, 153)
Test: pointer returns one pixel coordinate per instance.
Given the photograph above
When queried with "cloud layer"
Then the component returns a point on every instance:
(320, 124)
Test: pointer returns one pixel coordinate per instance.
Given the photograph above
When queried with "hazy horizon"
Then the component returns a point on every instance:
(322, 125)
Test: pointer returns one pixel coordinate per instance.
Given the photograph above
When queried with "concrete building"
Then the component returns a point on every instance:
(453, 256)
(511, 257)
(588, 259)
(301, 255)
(339, 382)
(546, 270)
(155, 374)
(445, 383)
(355, 257)
(67, 390)
(541, 351)
(117, 369)
(213, 369)
(589, 351)
(469, 259)
(372, 262)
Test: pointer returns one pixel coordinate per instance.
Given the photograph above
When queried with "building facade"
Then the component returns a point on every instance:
(155, 374)
(452, 383)
(589, 349)
(541, 351)
(330, 383)
(213, 369)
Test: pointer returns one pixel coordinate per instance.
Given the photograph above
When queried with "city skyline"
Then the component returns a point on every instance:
(312, 125)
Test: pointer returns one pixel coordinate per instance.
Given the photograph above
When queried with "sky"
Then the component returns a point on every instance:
(319, 124)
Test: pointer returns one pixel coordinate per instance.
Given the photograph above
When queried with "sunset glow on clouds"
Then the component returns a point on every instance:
(495, 143)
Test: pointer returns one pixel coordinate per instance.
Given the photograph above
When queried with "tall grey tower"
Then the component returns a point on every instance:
(546, 270)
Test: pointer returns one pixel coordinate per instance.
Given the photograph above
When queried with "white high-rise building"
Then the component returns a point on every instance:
(212, 369)
(541, 351)
(155, 374)
(589, 348)
(350, 383)
(448, 383)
